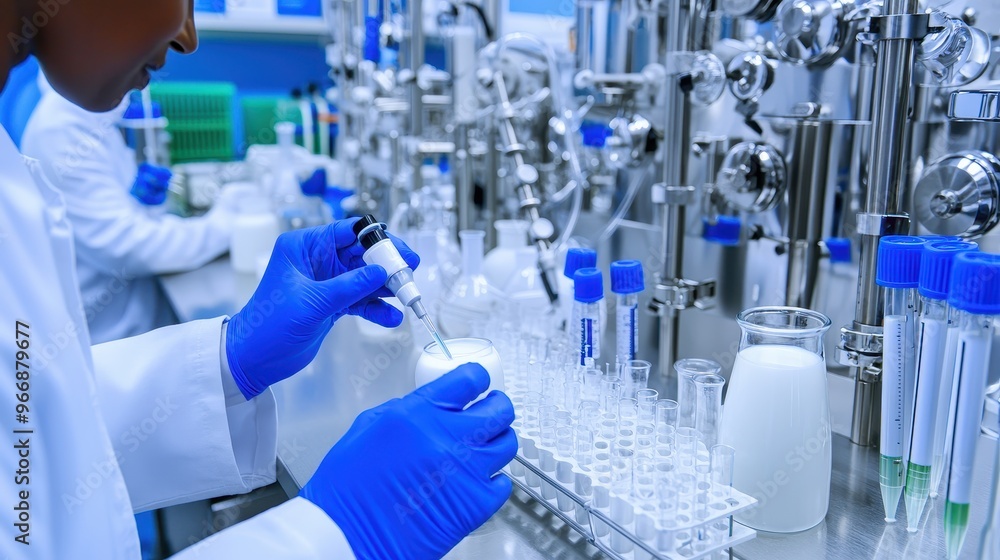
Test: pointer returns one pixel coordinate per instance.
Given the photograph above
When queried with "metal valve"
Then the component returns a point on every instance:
(959, 194)
(955, 53)
(814, 32)
(752, 177)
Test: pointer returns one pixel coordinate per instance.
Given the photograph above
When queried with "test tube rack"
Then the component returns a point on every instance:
(710, 533)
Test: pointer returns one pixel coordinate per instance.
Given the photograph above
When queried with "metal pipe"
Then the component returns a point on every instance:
(416, 60)
(811, 144)
(886, 173)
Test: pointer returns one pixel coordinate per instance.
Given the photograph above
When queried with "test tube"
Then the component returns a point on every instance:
(611, 392)
(646, 401)
(935, 272)
(975, 292)
(708, 410)
(588, 294)
(635, 375)
(583, 441)
(644, 492)
(723, 459)
(627, 283)
(528, 440)
(686, 446)
(609, 426)
(546, 455)
(565, 448)
(945, 417)
(601, 486)
(628, 411)
(572, 393)
(687, 370)
(898, 271)
(589, 414)
(622, 512)
(666, 416)
(989, 545)
(592, 383)
(667, 507)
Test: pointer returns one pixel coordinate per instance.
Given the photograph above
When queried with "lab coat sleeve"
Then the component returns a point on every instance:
(175, 434)
(296, 529)
(114, 233)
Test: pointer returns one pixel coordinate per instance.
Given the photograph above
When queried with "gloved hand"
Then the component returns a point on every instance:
(151, 184)
(314, 277)
(416, 475)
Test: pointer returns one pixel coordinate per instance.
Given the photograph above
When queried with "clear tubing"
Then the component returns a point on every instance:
(611, 392)
(687, 370)
(622, 512)
(666, 416)
(635, 375)
(974, 343)
(626, 328)
(708, 411)
(945, 417)
(932, 329)
(588, 331)
(892, 469)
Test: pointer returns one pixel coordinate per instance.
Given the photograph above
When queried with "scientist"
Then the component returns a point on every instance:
(121, 243)
(409, 479)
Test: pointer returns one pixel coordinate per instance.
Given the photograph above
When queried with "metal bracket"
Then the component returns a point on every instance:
(895, 27)
(860, 346)
(679, 294)
(672, 195)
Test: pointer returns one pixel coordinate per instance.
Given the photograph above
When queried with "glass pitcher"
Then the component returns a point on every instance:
(777, 417)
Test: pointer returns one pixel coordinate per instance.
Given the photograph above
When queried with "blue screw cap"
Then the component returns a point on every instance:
(975, 283)
(935, 266)
(626, 277)
(725, 231)
(899, 261)
(135, 110)
(595, 135)
(577, 259)
(840, 249)
(588, 285)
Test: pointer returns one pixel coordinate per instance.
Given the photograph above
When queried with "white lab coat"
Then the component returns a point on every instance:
(130, 425)
(121, 245)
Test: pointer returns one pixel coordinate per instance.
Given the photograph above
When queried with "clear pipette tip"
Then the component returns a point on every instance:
(918, 480)
(425, 318)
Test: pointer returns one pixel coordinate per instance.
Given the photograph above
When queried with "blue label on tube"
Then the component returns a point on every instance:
(300, 8)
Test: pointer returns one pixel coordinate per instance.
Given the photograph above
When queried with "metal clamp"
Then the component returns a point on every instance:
(680, 294)
(860, 346)
(883, 224)
(900, 26)
(672, 195)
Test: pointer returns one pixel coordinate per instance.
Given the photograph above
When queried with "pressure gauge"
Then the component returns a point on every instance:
(750, 74)
(959, 194)
(760, 10)
(814, 32)
(752, 177)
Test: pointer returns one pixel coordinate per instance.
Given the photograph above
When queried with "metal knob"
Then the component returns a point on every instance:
(752, 177)
(959, 194)
(813, 32)
(750, 75)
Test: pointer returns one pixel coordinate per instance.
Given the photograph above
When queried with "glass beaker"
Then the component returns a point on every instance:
(433, 363)
(777, 418)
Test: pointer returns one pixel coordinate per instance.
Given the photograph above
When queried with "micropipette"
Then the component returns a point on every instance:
(380, 250)
(975, 292)
(898, 271)
(935, 271)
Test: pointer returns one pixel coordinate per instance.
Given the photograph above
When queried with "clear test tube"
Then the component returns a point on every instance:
(628, 411)
(622, 511)
(608, 426)
(534, 377)
(601, 485)
(644, 494)
(708, 409)
(667, 511)
(666, 416)
(664, 453)
(589, 414)
(944, 419)
(546, 455)
(646, 401)
(528, 438)
(686, 445)
(635, 375)
(572, 393)
(563, 418)
(611, 392)
(583, 452)
(687, 370)
(723, 459)
(975, 291)
(565, 450)
(592, 383)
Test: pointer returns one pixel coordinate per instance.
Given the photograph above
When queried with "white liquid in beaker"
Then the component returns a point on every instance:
(777, 417)
(433, 363)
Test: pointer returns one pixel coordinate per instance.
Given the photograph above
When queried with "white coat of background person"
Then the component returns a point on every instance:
(121, 244)
(184, 412)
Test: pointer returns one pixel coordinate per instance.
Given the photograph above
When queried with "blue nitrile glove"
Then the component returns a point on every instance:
(414, 476)
(151, 184)
(314, 277)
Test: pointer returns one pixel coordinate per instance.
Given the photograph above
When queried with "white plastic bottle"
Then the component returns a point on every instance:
(469, 302)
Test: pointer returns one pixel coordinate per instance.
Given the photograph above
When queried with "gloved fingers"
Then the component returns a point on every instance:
(495, 454)
(340, 293)
(411, 258)
(486, 419)
(500, 488)
(378, 312)
(457, 388)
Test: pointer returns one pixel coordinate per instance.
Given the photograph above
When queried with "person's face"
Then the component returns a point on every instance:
(93, 52)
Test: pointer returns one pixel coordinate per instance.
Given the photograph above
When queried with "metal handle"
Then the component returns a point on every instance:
(974, 106)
